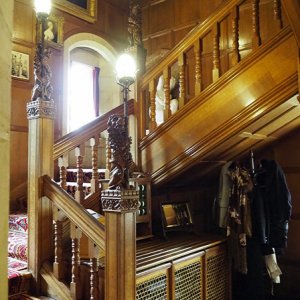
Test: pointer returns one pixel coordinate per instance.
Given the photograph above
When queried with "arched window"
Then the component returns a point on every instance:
(81, 96)
(87, 92)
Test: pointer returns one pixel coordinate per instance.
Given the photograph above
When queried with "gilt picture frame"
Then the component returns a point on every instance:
(20, 65)
(83, 9)
(52, 31)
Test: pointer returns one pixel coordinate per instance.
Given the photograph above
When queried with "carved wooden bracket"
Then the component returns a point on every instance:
(41, 109)
(120, 201)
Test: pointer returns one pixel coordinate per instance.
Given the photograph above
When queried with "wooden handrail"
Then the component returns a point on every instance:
(74, 211)
(80, 136)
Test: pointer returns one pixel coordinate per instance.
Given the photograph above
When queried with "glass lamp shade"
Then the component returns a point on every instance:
(126, 70)
(42, 6)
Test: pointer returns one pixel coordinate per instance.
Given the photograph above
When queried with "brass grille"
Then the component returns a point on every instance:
(188, 282)
(217, 279)
(152, 289)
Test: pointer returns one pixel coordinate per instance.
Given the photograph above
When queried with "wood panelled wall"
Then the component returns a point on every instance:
(166, 22)
(111, 25)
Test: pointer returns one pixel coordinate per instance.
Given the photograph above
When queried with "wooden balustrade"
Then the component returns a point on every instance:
(91, 130)
(75, 143)
(65, 208)
(208, 58)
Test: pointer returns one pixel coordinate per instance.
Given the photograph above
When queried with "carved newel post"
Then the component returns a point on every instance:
(40, 113)
(120, 203)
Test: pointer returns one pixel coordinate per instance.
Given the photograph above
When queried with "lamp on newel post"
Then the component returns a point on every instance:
(40, 115)
(119, 201)
(119, 139)
(42, 74)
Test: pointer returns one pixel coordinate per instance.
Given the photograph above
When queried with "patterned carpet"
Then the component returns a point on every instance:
(18, 276)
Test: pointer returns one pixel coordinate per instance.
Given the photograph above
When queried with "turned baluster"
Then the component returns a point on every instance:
(216, 52)
(94, 290)
(277, 13)
(79, 194)
(152, 92)
(94, 142)
(198, 68)
(256, 40)
(58, 251)
(107, 162)
(75, 281)
(167, 111)
(235, 36)
(63, 164)
(181, 65)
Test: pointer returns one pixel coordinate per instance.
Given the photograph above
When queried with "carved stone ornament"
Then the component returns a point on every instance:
(120, 201)
(40, 109)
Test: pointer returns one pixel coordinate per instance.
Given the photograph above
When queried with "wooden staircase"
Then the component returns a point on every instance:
(226, 95)
(235, 91)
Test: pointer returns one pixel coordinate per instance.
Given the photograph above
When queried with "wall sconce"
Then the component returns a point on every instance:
(42, 74)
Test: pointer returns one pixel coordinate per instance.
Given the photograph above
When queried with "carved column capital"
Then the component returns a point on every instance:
(120, 200)
(41, 109)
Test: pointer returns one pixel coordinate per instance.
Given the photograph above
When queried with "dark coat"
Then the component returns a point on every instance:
(271, 205)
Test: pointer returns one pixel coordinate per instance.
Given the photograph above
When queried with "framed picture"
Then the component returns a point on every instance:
(53, 31)
(20, 65)
(83, 9)
(176, 216)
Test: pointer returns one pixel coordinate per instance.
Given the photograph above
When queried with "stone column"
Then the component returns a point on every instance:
(40, 114)
(120, 253)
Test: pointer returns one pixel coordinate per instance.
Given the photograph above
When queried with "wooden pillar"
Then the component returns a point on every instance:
(256, 40)
(216, 53)
(235, 36)
(198, 67)
(120, 253)
(94, 142)
(152, 91)
(167, 111)
(181, 65)
(40, 114)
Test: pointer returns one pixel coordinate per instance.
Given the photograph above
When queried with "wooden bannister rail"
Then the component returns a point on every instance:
(74, 211)
(75, 138)
(204, 55)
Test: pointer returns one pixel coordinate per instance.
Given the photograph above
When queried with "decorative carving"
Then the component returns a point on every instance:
(121, 201)
(40, 109)
(121, 160)
(135, 24)
(42, 74)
